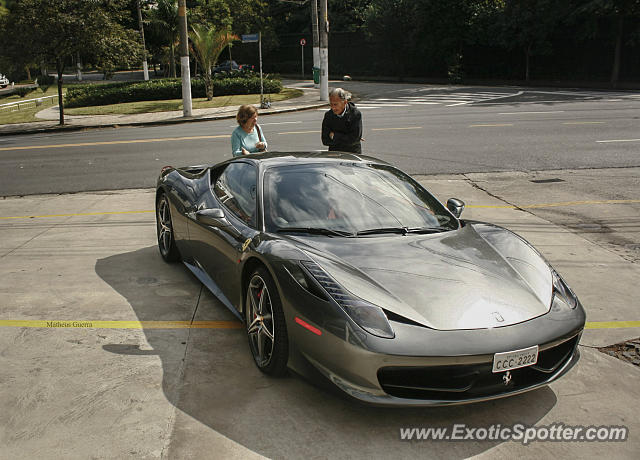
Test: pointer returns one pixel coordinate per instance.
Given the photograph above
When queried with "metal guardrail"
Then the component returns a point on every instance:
(28, 103)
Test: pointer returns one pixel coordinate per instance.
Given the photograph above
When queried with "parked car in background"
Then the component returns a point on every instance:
(4, 81)
(231, 66)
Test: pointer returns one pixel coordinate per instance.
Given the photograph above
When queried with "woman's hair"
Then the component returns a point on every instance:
(339, 92)
(244, 113)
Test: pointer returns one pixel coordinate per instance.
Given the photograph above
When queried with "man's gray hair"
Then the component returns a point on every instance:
(339, 92)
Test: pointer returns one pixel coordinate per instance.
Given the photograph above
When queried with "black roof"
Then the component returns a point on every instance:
(283, 158)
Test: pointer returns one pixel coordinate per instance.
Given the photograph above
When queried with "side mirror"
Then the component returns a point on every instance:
(456, 206)
(213, 217)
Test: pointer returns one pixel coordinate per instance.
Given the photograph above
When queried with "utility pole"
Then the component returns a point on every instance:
(184, 59)
(316, 40)
(144, 48)
(324, 51)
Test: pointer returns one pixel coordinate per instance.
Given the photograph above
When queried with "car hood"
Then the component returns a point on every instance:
(480, 276)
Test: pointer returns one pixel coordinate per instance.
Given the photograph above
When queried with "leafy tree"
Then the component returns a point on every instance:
(621, 16)
(55, 31)
(529, 25)
(165, 26)
(207, 44)
(389, 24)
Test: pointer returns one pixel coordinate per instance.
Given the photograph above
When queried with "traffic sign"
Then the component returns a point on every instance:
(303, 41)
(250, 38)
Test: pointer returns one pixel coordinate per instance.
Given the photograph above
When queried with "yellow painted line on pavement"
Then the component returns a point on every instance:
(618, 140)
(490, 125)
(122, 324)
(551, 205)
(571, 203)
(506, 206)
(56, 324)
(611, 324)
(584, 123)
(132, 141)
(78, 214)
(299, 132)
(397, 129)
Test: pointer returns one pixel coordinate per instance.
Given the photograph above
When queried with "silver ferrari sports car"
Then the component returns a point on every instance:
(343, 266)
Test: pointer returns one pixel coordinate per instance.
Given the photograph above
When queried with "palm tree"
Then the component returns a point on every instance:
(207, 43)
(164, 23)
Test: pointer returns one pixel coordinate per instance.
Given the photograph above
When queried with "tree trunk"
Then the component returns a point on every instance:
(615, 72)
(527, 53)
(208, 81)
(172, 63)
(28, 72)
(60, 68)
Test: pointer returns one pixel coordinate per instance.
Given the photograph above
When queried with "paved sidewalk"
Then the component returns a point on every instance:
(310, 99)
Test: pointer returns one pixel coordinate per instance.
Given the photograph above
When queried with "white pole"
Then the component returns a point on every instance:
(324, 51)
(302, 48)
(187, 106)
(145, 67)
(260, 55)
(316, 38)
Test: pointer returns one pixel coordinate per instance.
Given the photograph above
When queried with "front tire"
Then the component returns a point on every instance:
(266, 327)
(164, 228)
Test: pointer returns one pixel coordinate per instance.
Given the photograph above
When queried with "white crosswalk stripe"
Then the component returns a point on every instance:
(448, 98)
(430, 97)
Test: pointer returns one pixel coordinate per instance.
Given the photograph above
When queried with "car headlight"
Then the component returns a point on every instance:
(561, 289)
(368, 316)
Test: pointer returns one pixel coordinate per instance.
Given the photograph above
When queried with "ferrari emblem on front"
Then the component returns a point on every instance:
(506, 378)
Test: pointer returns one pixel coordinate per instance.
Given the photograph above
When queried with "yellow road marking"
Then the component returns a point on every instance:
(299, 132)
(58, 324)
(550, 205)
(584, 123)
(77, 214)
(122, 324)
(611, 324)
(494, 124)
(619, 140)
(133, 141)
(506, 206)
(391, 129)
(571, 203)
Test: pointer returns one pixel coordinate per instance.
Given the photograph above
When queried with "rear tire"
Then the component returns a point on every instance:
(164, 228)
(266, 327)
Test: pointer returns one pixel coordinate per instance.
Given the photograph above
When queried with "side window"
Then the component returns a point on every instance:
(235, 187)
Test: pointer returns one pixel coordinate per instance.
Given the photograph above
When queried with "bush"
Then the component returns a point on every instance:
(162, 89)
(22, 91)
(45, 80)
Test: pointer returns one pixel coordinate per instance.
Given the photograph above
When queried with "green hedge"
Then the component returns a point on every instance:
(167, 88)
(45, 80)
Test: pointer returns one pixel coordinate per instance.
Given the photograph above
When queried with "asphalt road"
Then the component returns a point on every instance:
(94, 389)
(422, 129)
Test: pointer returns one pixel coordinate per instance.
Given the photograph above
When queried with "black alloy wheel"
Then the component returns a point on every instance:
(266, 328)
(164, 227)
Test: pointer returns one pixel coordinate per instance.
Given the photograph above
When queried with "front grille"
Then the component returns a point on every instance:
(460, 382)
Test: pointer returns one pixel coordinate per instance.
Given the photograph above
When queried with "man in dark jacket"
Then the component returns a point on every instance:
(342, 125)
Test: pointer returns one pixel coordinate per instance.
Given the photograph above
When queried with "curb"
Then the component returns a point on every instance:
(58, 128)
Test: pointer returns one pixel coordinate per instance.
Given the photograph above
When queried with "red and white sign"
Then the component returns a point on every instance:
(303, 42)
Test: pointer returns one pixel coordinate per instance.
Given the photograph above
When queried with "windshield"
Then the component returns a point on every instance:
(351, 198)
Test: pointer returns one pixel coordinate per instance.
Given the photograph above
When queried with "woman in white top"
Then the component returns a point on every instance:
(247, 138)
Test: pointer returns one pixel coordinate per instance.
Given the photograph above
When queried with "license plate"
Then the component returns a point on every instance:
(515, 359)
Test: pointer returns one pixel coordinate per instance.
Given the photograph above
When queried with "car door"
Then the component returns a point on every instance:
(218, 248)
